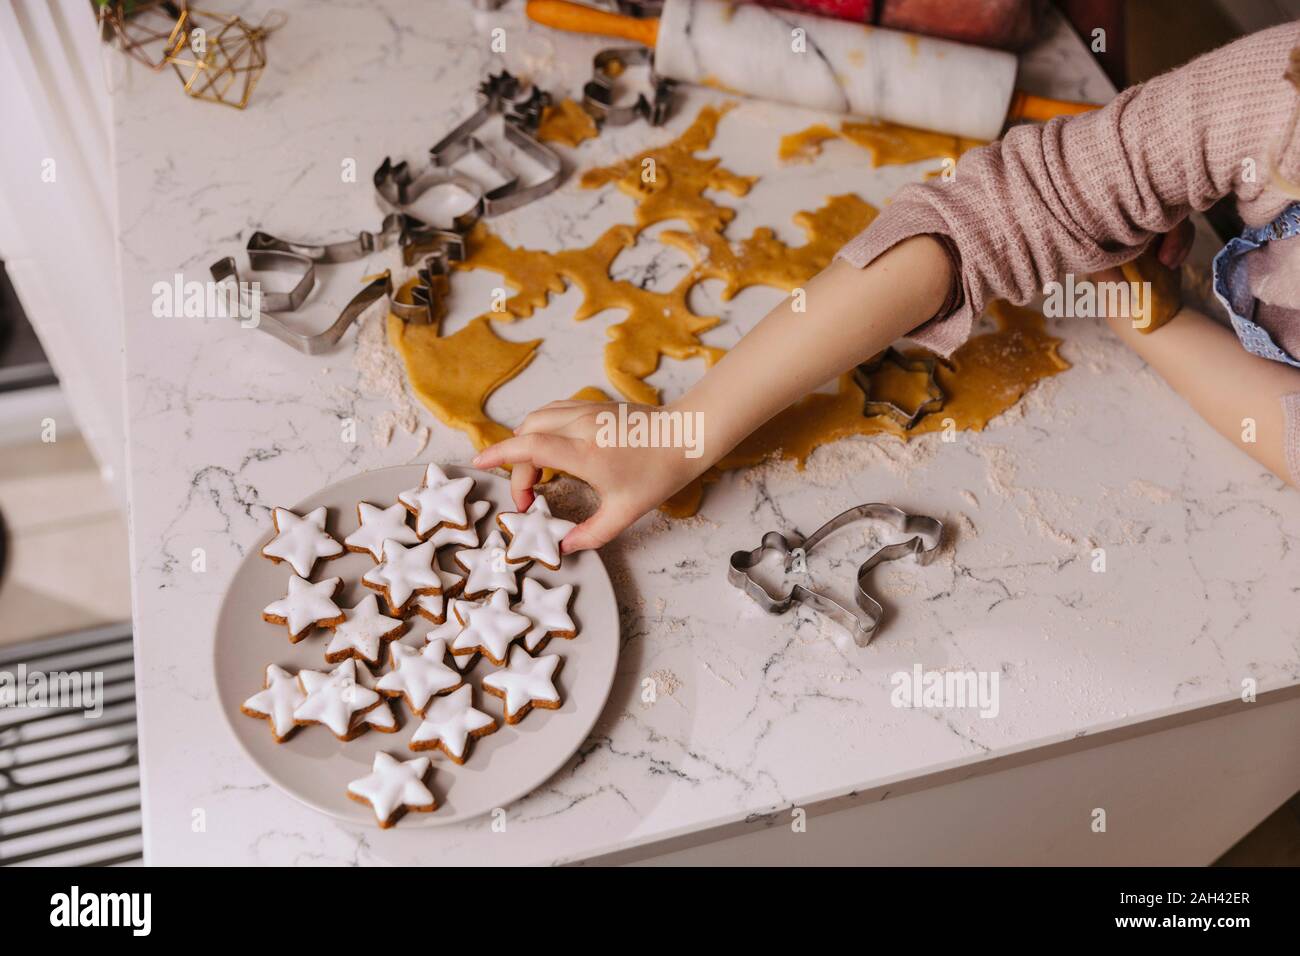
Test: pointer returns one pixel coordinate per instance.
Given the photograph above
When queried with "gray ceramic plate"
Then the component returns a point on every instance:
(315, 767)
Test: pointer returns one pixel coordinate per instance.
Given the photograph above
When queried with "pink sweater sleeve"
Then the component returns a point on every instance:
(1291, 405)
(1089, 192)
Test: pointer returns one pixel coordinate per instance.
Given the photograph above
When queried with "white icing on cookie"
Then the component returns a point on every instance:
(464, 537)
(526, 683)
(362, 633)
(535, 535)
(377, 525)
(438, 500)
(301, 541)
(276, 702)
(305, 605)
(381, 716)
(405, 572)
(486, 568)
(548, 610)
(418, 675)
(490, 627)
(333, 698)
(450, 722)
(393, 787)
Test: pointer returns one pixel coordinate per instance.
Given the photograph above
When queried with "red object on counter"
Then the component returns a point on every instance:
(1004, 24)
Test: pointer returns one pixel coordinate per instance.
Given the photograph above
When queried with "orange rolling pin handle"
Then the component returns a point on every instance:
(1039, 109)
(575, 18)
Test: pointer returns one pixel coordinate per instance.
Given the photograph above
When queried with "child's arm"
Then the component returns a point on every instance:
(850, 315)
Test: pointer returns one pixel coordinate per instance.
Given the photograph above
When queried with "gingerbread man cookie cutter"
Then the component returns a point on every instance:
(501, 94)
(598, 94)
(905, 417)
(863, 620)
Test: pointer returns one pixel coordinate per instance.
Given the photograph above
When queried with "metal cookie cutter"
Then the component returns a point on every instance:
(500, 94)
(905, 417)
(397, 187)
(864, 620)
(276, 260)
(598, 94)
(433, 285)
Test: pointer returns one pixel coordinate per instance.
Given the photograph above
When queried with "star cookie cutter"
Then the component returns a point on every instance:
(864, 620)
(501, 94)
(598, 93)
(904, 417)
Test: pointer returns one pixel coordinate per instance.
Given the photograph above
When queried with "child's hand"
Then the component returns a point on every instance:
(574, 437)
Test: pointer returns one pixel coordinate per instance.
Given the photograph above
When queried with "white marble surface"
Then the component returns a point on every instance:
(754, 714)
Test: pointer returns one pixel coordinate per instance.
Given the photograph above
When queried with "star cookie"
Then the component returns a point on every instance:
(534, 534)
(406, 572)
(381, 716)
(438, 501)
(306, 605)
(526, 683)
(394, 787)
(489, 627)
(300, 540)
(466, 537)
(335, 699)
(420, 675)
(447, 632)
(362, 633)
(486, 568)
(548, 610)
(276, 701)
(377, 525)
(450, 723)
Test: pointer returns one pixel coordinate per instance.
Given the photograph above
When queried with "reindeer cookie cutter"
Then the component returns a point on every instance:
(502, 94)
(863, 620)
(598, 93)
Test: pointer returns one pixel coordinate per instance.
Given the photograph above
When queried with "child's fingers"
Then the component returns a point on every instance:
(539, 449)
(549, 418)
(598, 530)
(522, 478)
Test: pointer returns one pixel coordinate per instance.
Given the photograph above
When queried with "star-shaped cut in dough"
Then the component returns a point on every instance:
(394, 787)
(450, 723)
(377, 525)
(363, 632)
(489, 627)
(306, 605)
(300, 540)
(466, 537)
(548, 610)
(526, 683)
(335, 699)
(406, 572)
(534, 534)
(486, 568)
(419, 675)
(279, 697)
(438, 500)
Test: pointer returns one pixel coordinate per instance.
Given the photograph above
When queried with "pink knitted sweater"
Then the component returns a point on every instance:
(1089, 192)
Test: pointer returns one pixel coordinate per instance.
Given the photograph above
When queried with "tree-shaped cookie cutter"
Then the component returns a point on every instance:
(598, 94)
(862, 621)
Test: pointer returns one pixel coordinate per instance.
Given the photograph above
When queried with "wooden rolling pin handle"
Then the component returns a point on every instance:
(1040, 109)
(575, 18)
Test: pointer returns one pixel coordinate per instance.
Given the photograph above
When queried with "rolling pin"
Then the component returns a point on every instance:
(843, 67)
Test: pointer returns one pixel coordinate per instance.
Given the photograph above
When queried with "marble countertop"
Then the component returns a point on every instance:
(753, 714)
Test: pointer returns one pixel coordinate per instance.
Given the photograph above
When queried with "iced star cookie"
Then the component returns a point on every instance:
(279, 697)
(300, 540)
(381, 716)
(419, 675)
(486, 568)
(466, 537)
(548, 611)
(447, 632)
(363, 633)
(534, 534)
(489, 627)
(526, 683)
(393, 787)
(438, 501)
(450, 723)
(335, 699)
(405, 573)
(377, 525)
(307, 605)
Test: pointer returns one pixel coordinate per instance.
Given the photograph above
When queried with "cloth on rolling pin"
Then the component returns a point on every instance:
(1002, 24)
